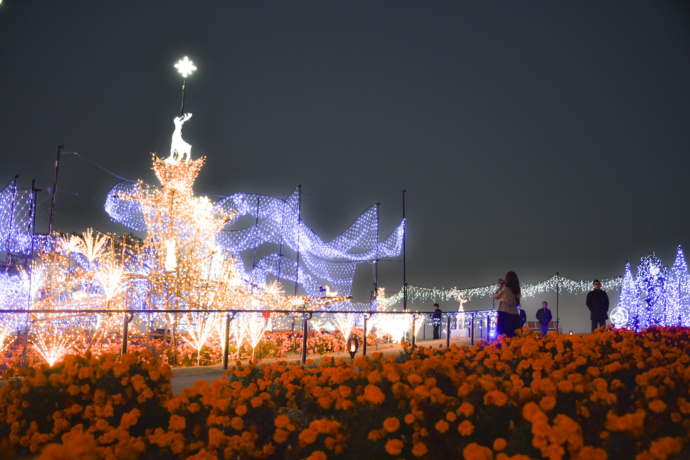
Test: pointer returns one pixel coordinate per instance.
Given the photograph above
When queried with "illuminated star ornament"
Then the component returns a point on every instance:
(185, 67)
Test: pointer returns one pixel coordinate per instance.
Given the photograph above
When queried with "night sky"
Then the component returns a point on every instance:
(530, 136)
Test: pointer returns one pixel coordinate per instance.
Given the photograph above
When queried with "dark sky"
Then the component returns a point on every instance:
(532, 136)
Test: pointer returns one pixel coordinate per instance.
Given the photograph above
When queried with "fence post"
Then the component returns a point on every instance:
(226, 344)
(448, 331)
(472, 329)
(125, 331)
(305, 327)
(294, 338)
(414, 338)
(488, 327)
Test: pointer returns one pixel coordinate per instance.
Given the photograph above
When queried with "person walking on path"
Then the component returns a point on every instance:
(598, 304)
(544, 317)
(508, 298)
(436, 320)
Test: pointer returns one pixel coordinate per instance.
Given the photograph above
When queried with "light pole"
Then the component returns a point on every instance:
(185, 67)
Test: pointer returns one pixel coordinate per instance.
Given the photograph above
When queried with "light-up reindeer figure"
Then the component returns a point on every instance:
(179, 149)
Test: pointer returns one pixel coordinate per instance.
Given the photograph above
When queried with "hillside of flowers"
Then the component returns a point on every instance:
(612, 394)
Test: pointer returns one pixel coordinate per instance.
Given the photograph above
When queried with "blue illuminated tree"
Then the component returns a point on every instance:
(678, 292)
(651, 286)
(628, 299)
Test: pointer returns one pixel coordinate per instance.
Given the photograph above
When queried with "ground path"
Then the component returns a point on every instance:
(184, 377)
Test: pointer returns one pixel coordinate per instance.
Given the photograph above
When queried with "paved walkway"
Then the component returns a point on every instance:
(184, 377)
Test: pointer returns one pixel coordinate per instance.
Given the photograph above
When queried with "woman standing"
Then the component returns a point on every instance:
(508, 297)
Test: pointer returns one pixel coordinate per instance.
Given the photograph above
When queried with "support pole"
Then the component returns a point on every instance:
(558, 290)
(472, 330)
(55, 182)
(184, 83)
(299, 231)
(404, 255)
(305, 329)
(448, 331)
(125, 331)
(226, 345)
(414, 339)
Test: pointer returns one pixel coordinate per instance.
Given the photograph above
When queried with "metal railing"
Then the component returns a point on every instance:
(230, 314)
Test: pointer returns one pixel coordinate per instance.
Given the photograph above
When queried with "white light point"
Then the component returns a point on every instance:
(185, 67)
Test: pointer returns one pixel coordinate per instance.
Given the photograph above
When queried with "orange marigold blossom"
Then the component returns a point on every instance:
(466, 409)
(394, 446)
(373, 394)
(281, 421)
(547, 403)
(657, 406)
(474, 451)
(391, 424)
(465, 428)
(317, 455)
(441, 426)
(419, 449)
(499, 444)
(306, 437)
(496, 398)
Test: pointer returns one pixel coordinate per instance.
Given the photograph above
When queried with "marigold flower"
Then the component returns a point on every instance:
(280, 436)
(530, 411)
(394, 446)
(409, 419)
(664, 447)
(344, 391)
(373, 395)
(177, 423)
(451, 417)
(465, 428)
(281, 421)
(474, 451)
(317, 455)
(375, 435)
(547, 403)
(499, 444)
(657, 406)
(237, 423)
(651, 392)
(307, 437)
(466, 409)
(442, 426)
(241, 410)
(419, 449)
(391, 424)
(497, 398)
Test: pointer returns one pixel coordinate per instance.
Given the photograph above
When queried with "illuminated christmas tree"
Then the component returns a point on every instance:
(678, 292)
(651, 287)
(626, 313)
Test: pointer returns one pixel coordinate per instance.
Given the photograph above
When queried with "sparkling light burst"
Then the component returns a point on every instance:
(185, 67)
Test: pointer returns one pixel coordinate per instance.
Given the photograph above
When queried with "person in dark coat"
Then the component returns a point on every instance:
(523, 316)
(436, 320)
(598, 304)
(544, 317)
